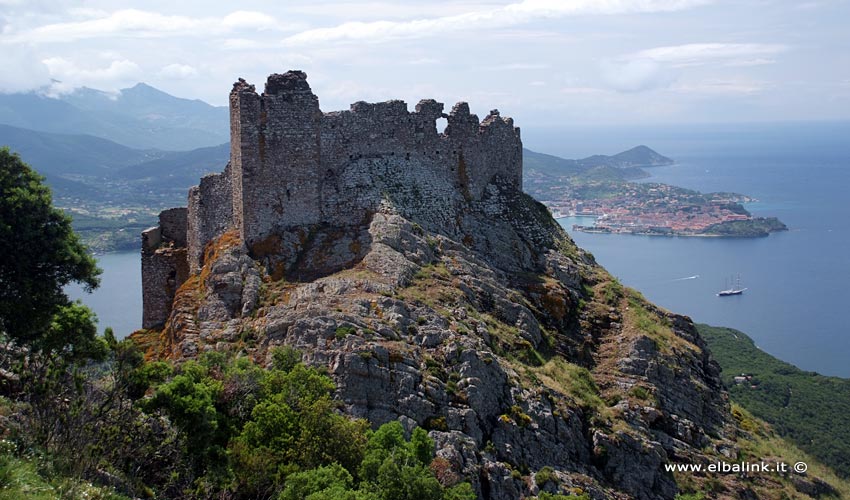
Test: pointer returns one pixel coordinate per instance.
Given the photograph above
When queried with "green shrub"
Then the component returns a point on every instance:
(344, 331)
(545, 475)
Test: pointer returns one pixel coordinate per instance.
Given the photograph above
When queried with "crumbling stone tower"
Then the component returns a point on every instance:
(275, 159)
(296, 175)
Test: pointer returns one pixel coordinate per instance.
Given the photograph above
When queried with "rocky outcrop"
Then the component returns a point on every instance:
(479, 342)
(448, 299)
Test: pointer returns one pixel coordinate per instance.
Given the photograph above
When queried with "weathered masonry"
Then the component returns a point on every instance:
(295, 172)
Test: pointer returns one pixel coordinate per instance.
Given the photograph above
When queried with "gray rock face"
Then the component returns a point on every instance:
(458, 338)
(411, 266)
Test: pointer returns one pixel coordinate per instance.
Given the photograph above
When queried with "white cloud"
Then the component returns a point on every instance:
(178, 71)
(69, 76)
(491, 18)
(634, 75)
(134, 23)
(743, 63)
(657, 67)
(244, 44)
(701, 53)
(243, 19)
(360, 9)
(22, 71)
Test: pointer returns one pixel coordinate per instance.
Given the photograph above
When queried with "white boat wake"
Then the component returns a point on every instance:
(696, 276)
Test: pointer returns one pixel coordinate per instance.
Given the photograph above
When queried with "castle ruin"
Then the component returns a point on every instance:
(296, 173)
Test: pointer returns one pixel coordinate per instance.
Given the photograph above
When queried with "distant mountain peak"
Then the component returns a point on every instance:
(641, 156)
(140, 116)
(144, 88)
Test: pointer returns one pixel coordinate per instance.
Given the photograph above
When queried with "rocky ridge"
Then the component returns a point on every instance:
(480, 320)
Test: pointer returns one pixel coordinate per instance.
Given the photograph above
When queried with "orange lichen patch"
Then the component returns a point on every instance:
(376, 309)
(276, 292)
(278, 271)
(271, 245)
(355, 247)
(150, 342)
(214, 249)
(554, 302)
(548, 295)
(182, 320)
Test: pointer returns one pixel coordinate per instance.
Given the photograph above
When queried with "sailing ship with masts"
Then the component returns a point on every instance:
(735, 290)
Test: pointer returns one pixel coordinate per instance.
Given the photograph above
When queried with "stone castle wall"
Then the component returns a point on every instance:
(164, 265)
(293, 166)
(210, 213)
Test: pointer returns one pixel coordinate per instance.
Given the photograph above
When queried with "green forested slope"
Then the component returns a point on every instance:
(810, 409)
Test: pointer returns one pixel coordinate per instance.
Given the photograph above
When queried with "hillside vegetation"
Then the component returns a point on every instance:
(805, 407)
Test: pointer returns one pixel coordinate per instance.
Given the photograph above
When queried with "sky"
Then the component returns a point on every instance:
(543, 62)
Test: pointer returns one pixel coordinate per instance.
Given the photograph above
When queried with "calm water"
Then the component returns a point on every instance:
(799, 281)
(118, 300)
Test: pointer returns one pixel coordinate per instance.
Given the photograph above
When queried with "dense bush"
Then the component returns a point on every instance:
(218, 428)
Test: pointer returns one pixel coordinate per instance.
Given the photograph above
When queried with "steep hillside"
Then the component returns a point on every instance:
(156, 107)
(802, 406)
(178, 168)
(519, 367)
(67, 155)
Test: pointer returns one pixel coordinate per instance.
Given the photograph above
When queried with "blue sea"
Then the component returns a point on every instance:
(797, 303)
(118, 300)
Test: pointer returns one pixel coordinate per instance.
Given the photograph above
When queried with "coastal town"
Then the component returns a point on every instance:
(653, 209)
(621, 205)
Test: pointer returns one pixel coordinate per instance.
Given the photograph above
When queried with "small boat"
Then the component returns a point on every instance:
(735, 290)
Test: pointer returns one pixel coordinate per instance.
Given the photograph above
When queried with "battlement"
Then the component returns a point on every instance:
(294, 167)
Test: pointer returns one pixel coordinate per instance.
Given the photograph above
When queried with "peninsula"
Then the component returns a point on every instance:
(603, 187)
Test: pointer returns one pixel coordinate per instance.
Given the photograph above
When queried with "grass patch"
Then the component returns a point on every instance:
(641, 393)
(764, 444)
(653, 325)
(433, 285)
(27, 477)
(612, 292)
(574, 381)
(436, 424)
(545, 475)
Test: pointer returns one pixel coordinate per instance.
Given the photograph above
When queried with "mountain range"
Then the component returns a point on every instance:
(140, 117)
